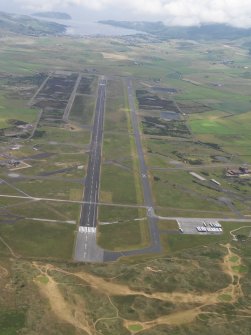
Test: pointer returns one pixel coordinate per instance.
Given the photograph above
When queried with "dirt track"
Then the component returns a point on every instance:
(75, 314)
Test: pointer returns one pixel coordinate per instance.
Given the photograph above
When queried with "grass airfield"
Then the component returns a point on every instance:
(199, 284)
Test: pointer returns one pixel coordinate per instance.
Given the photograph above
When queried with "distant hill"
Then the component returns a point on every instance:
(54, 15)
(26, 25)
(203, 32)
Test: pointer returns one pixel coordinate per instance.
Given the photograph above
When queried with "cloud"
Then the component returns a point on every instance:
(172, 12)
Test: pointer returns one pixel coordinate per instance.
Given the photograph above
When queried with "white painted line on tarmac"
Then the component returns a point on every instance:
(52, 221)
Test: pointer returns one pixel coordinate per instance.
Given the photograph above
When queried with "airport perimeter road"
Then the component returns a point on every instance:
(86, 248)
(32, 100)
(143, 168)
(148, 200)
(155, 246)
(72, 99)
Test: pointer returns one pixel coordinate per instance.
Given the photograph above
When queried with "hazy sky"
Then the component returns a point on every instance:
(173, 12)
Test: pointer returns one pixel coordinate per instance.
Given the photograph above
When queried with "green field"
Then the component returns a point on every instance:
(181, 191)
(11, 322)
(119, 179)
(173, 243)
(15, 110)
(35, 239)
(123, 236)
(82, 110)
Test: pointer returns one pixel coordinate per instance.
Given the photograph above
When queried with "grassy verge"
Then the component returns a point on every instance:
(122, 236)
(120, 182)
(36, 239)
(173, 243)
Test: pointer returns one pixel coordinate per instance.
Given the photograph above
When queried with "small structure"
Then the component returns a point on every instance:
(242, 171)
(170, 116)
(196, 175)
(15, 147)
(215, 182)
(14, 162)
(35, 147)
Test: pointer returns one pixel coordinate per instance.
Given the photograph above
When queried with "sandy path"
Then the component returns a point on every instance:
(175, 319)
(65, 311)
(3, 272)
(9, 248)
(75, 315)
(110, 288)
(228, 264)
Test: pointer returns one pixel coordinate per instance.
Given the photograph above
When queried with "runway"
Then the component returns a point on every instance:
(88, 216)
(86, 249)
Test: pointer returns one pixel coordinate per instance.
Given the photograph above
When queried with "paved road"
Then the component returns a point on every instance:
(148, 200)
(197, 167)
(71, 100)
(36, 124)
(66, 201)
(86, 248)
(155, 244)
(32, 100)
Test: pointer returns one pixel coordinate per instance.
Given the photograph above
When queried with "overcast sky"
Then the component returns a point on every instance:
(172, 12)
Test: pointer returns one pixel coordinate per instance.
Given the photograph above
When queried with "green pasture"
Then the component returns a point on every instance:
(123, 236)
(15, 109)
(39, 239)
(233, 125)
(176, 189)
(119, 214)
(82, 110)
(117, 185)
(48, 188)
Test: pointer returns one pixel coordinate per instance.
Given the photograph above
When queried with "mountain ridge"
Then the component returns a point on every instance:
(26, 25)
(202, 32)
(53, 15)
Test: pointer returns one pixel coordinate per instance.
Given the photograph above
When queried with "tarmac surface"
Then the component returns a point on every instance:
(189, 226)
(91, 194)
(86, 249)
(155, 246)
